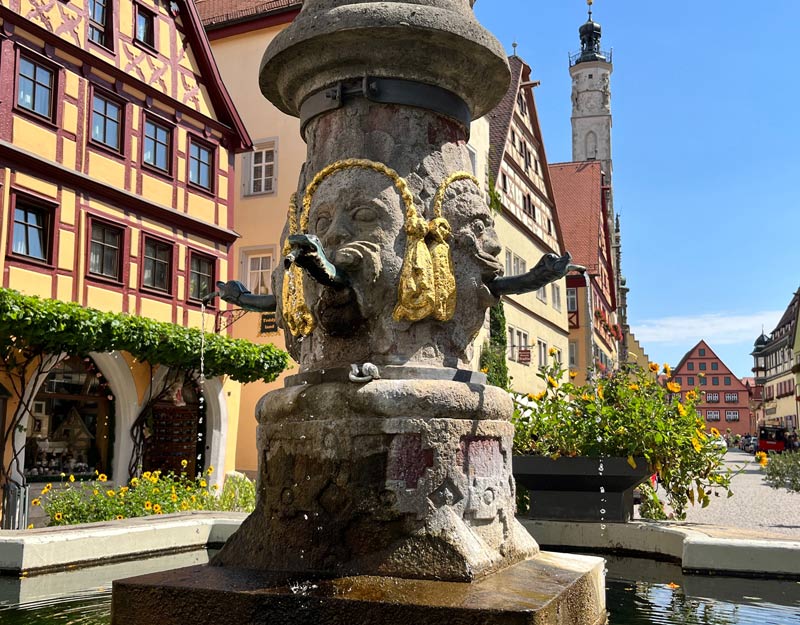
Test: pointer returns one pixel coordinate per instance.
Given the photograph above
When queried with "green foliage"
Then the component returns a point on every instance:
(651, 506)
(626, 414)
(53, 327)
(783, 470)
(88, 502)
(495, 199)
(493, 355)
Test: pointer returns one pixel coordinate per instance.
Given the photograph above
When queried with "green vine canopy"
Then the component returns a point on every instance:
(30, 323)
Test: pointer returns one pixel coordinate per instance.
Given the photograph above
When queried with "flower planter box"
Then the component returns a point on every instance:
(569, 489)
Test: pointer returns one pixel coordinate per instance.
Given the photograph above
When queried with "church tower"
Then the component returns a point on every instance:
(591, 69)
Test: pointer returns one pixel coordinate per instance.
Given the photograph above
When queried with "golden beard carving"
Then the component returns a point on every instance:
(416, 294)
(296, 314)
(443, 275)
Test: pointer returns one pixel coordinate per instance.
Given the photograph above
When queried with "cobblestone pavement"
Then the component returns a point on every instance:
(754, 505)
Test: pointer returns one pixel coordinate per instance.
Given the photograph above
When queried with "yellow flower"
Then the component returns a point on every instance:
(539, 396)
(667, 369)
(203, 483)
(120, 517)
(653, 367)
(586, 397)
(696, 444)
(701, 375)
(36, 502)
(621, 430)
(156, 508)
(123, 489)
(173, 497)
(63, 475)
(701, 434)
(146, 475)
(71, 478)
(691, 395)
(184, 463)
(633, 387)
(552, 351)
(194, 498)
(715, 432)
(573, 375)
(30, 527)
(215, 487)
(681, 410)
(484, 369)
(552, 381)
(135, 481)
(58, 516)
(148, 505)
(600, 391)
(110, 493)
(95, 492)
(184, 505)
(102, 477)
(210, 470)
(673, 387)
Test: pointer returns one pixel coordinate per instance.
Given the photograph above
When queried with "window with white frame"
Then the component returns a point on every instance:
(573, 354)
(731, 415)
(731, 398)
(712, 415)
(259, 169)
(258, 267)
(542, 349)
(556, 293)
(509, 262)
(572, 299)
(541, 294)
(520, 266)
(712, 397)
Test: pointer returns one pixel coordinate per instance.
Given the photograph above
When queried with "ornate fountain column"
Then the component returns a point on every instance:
(386, 455)
(407, 474)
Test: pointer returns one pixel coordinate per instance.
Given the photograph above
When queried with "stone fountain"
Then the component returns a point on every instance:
(385, 491)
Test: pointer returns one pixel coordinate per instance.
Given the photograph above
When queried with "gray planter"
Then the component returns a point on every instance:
(574, 489)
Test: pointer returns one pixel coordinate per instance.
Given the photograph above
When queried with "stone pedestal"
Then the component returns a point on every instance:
(408, 478)
(558, 589)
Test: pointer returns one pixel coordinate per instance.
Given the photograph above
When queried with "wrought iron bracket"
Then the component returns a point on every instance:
(386, 91)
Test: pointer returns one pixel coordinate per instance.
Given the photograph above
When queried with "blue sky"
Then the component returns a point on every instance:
(706, 146)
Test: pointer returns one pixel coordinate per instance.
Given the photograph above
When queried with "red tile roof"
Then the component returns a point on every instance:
(578, 195)
(223, 11)
(500, 118)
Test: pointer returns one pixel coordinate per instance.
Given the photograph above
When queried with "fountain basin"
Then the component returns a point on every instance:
(550, 588)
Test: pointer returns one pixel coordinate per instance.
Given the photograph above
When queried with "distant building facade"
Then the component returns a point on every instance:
(528, 227)
(776, 364)
(724, 400)
(594, 337)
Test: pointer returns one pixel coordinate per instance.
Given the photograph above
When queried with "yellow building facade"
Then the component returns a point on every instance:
(264, 181)
(528, 227)
(117, 145)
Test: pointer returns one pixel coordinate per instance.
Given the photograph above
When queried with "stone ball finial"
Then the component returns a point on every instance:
(436, 42)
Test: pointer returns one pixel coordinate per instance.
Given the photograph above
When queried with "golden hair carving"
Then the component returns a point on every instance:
(296, 314)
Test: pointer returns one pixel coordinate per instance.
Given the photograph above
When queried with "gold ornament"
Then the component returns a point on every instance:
(296, 314)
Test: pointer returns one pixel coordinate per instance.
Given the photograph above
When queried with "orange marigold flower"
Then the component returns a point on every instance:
(715, 432)
(673, 387)
(540, 396)
(691, 395)
(653, 367)
(633, 387)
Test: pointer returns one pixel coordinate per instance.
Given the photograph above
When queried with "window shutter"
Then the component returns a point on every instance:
(247, 160)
